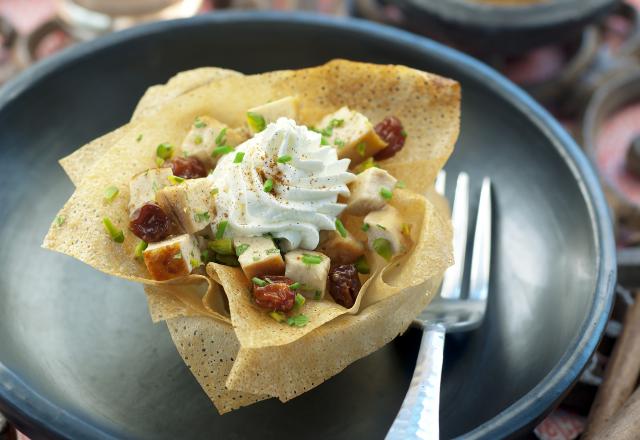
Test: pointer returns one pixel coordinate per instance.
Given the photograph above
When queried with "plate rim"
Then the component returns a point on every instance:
(34, 413)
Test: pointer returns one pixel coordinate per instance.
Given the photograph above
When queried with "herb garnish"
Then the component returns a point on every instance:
(164, 150)
(239, 157)
(116, 234)
(311, 259)
(256, 122)
(221, 228)
(341, 229)
(176, 180)
(223, 149)
(201, 216)
(361, 148)
(284, 159)
(241, 248)
(111, 193)
(140, 247)
(362, 265)
(258, 282)
(199, 123)
(298, 321)
(365, 227)
(268, 185)
(60, 219)
(382, 246)
(221, 139)
(386, 193)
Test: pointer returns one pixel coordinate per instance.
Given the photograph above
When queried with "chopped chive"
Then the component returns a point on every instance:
(256, 122)
(194, 262)
(299, 299)
(340, 228)
(400, 184)
(223, 149)
(339, 143)
(268, 185)
(164, 150)
(365, 165)
(255, 258)
(284, 159)
(59, 220)
(201, 216)
(222, 246)
(379, 226)
(185, 154)
(311, 259)
(362, 265)
(205, 256)
(227, 260)
(382, 246)
(140, 247)
(139, 138)
(327, 131)
(278, 316)
(258, 282)
(324, 141)
(273, 251)
(365, 227)
(298, 321)
(111, 193)
(386, 193)
(406, 229)
(199, 123)
(318, 295)
(221, 228)
(294, 286)
(361, 148)
(403, 133)
(177, 256)
(116, 234)
(197, 140)
(239, 157)
(241, 249)
(221, 139)
(214, 191)
(336, 123)
(159, 161)
(176, 180)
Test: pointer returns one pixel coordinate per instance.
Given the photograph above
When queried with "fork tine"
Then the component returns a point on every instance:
(441, 182)
(481, 254)
(452, 283)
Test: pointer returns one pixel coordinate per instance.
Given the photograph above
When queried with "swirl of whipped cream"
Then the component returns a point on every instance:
(306, 183)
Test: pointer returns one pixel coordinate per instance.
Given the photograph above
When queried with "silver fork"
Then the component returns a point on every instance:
(449, 312)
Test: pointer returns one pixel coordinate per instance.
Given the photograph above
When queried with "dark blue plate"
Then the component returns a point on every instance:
(79, 356)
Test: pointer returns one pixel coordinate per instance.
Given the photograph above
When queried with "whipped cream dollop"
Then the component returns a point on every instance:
(307, 179)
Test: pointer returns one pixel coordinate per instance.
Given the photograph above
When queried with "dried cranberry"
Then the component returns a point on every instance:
(187, 167)
(276, 295)
(391, 131)
(344, 284)
(150, 223)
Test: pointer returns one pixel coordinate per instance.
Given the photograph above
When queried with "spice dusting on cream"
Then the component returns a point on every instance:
(287, 184)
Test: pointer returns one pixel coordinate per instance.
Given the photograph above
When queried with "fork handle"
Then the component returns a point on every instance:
(419, 414)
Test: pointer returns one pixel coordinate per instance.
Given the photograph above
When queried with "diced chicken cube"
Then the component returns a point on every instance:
(190, 203)
(352, 134)
(281, 108)
(258, 256)
(310, 269)
(172, 258)
(366, 191)
(385, 224)
(341, 250)
(206, 134)
(144, 186)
